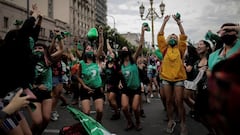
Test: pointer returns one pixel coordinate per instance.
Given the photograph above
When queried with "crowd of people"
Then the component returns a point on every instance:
(205, 77)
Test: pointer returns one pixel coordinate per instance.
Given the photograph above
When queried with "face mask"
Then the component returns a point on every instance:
(125, 53)
(229, 39)
(172, 42)
(89, 54)
(38, 56)
(110, 59)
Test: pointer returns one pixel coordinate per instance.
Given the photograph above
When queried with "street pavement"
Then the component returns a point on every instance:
(153, 124)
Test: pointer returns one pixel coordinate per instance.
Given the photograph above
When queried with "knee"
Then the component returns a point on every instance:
(37, 122)
(124, 108)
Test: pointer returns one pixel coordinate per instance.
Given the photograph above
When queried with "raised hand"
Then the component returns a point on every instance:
(176, 18)
(166, 18)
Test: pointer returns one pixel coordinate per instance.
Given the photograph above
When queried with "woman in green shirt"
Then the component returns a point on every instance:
(130, 84)
(90, 79)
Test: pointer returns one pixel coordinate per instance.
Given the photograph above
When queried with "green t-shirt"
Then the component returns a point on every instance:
(131, 76)
(158, 54)
(214, 57)
(43, 75)
(91, 74)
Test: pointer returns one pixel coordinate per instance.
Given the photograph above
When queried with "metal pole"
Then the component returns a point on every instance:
(114, 24)
(152, 21)
(113, 21)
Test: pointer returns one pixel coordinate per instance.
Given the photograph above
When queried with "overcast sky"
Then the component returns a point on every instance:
(198, 16)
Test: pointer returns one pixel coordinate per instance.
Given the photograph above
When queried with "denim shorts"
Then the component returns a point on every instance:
(57, 80)
(177, 83)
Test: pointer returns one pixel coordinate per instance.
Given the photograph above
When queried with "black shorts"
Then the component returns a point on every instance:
(112, 88)
(41, 95)
(98, 93)
(131, 92)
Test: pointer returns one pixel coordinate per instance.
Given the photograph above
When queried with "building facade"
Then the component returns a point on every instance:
(101, 12)
(133, 38)
(75, 16)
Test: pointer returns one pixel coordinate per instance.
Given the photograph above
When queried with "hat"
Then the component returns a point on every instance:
(18, 22)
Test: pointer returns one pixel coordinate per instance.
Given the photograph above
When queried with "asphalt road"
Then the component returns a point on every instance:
(153, 124)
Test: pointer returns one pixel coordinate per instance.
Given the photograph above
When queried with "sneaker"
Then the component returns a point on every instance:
(54, 116)
(148, 100)
(170, 128)
(151, 95)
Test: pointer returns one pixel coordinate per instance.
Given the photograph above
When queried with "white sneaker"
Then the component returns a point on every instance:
(148, 100)
(151, 95)
(54, 116)
(56, 113)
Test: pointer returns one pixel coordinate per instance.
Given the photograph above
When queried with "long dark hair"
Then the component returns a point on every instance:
(46, 52)
(129, 55)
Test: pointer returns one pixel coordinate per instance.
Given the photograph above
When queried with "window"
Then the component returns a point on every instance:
(42, 32)
(5, 22)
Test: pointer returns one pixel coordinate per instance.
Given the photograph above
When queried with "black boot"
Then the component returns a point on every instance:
(142, 114)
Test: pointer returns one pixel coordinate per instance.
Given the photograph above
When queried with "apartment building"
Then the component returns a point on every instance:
(75, 16)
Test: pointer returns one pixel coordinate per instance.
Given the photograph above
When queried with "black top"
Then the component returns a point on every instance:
(17, 64)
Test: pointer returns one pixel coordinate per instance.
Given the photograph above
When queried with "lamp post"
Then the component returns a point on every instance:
(115, 46)
(152, 15)
(114, 34)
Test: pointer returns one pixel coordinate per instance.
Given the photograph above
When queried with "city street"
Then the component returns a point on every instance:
(153, 124)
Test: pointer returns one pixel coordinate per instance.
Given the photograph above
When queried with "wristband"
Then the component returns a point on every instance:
(3, 115)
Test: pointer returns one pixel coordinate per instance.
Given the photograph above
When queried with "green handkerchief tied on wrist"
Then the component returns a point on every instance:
(178, 16)
(147, 28)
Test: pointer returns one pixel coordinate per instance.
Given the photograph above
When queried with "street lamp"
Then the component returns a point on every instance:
(152, 15)
(115, 46)
(114, 33)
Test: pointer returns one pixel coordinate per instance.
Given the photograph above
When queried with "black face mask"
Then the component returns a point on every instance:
(38, 56)
(229, 39)
(125, 53)
(89, 55)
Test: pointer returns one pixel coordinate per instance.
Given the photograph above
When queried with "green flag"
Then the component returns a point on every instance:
(90, 125)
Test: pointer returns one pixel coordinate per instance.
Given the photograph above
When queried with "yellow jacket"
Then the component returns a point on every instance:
(172, 68)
